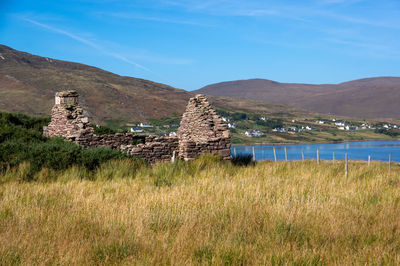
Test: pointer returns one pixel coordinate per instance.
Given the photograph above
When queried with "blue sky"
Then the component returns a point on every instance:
(189, 44)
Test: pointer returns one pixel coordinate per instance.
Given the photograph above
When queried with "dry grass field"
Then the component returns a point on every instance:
(202, 212)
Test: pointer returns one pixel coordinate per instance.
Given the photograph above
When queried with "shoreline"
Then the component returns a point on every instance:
(306, 143)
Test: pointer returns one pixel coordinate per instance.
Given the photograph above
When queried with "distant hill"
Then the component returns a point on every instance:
(28, 84)
(364, 98)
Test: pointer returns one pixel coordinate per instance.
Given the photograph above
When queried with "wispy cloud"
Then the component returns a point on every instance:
(132, 16)
(86, 42)
(367, 48)
(303, 11)
(346, 2)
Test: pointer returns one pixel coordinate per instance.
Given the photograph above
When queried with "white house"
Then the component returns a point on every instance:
(225, 119)
(255, 133)
(340, 123)
(280, 130)
(172, 134)
(136, 130)
(309, 128)
(232, 125)
(144, 124)
(351, 128)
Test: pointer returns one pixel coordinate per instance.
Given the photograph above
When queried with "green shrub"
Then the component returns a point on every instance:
(102, 130)
(24, 121)
(242, 159)
(92, 158)
(22, 142)
(21, 127)
(386, 132)
(56, 154)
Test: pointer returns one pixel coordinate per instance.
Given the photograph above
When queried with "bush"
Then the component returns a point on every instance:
(22, 142)
(92, 158)
(243, 159)
(386, 132)
(21, 127)
(271, 123)
(239, 116)
(102, 130)
(24, 121)
(56, 154)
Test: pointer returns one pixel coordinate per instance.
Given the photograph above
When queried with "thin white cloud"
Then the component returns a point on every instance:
(299, 11)
(153, 18)
(87, 42)
(347, 2)
(377, 50)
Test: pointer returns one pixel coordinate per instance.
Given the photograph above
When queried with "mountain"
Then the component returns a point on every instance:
(363, 98)
(28, 84)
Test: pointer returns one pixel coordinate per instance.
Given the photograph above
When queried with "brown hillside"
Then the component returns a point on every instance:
(364, 98)
(28, 84)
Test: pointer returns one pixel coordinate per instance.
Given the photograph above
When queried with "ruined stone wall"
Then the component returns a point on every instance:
(202, 131)
(113, 141)
(155, 149)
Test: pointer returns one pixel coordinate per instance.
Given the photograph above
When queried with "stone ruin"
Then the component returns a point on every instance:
(67, 119)
(201, 131)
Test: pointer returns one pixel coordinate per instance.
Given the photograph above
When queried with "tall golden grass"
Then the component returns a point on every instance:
(203, 212)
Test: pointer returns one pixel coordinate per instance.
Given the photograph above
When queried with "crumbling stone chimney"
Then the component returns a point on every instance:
(202, 131)
(67, 119)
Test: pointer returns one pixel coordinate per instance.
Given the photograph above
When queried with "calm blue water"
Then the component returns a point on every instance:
(379, 151)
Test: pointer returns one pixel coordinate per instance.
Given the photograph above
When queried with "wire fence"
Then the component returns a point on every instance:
(267, 154)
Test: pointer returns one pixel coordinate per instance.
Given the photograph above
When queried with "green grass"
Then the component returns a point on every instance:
(205, 211)
(311, 137)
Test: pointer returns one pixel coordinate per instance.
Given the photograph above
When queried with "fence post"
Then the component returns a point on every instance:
(254, 154)
(173, 156)
(333, 157)
(302, 155)
(317, 156)
(390, 160)
(274, 153)
(285, 154)
(234, 153)
(346, 166)
(369, 159)
(263, 155)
